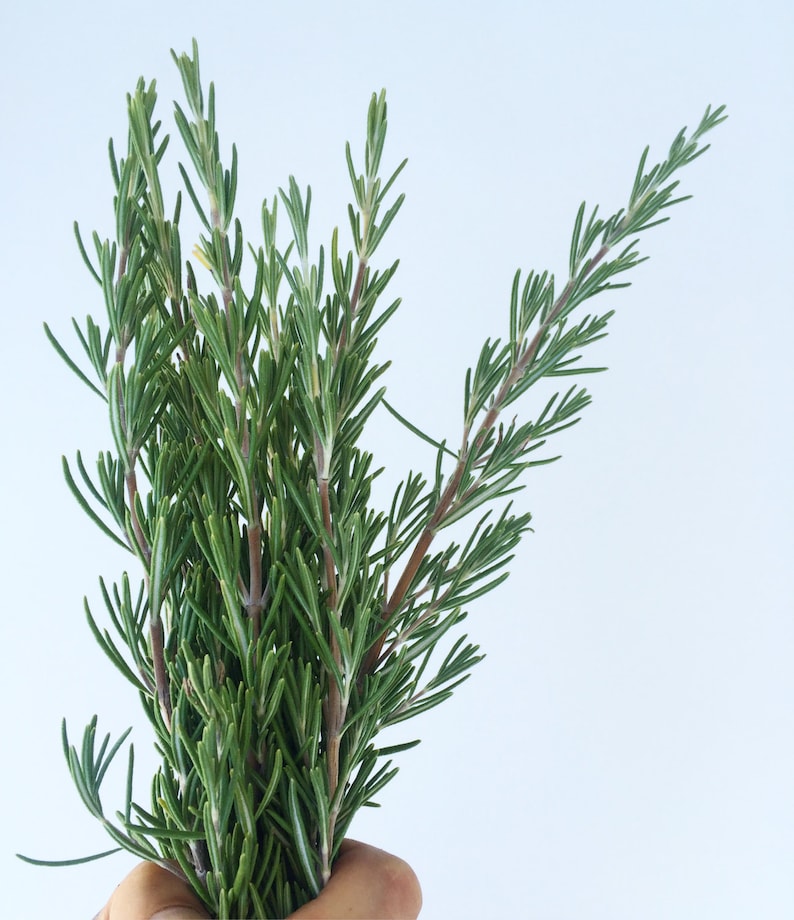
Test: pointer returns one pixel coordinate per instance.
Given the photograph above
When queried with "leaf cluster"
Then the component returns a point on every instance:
(281, 622)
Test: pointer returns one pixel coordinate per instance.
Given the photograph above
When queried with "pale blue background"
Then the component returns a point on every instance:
(626, 749)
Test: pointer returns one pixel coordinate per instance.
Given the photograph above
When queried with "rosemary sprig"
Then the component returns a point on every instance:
(282, 623)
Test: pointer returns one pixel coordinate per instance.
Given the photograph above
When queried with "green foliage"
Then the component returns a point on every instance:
(282, 622)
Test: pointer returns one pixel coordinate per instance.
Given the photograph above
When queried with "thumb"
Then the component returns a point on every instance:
(152, 893)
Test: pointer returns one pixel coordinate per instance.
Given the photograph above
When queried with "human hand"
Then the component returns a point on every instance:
(365, 884)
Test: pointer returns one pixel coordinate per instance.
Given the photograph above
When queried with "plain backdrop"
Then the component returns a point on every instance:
(625, 750)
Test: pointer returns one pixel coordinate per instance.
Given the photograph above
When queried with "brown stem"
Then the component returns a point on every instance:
(160, 674)
(334, 706)
(156, 631)
(446, 500)
(132, 492)
(255, 593)
(415, 560)
(123, 256)
(405, 634)
(354, 299)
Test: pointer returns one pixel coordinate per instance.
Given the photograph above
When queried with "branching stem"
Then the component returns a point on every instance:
(446, 501)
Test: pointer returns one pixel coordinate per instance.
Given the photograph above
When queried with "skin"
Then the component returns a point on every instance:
(366, 884)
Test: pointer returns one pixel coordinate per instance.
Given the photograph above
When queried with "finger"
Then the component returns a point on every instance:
(152, 893)
(366, 884)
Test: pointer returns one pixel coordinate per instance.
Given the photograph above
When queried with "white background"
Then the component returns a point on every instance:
(626, 750)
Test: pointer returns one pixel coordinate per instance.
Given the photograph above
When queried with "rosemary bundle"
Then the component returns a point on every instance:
(282, 622)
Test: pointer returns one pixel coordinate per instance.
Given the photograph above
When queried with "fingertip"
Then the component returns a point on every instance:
(366, 884)
(150, 892)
